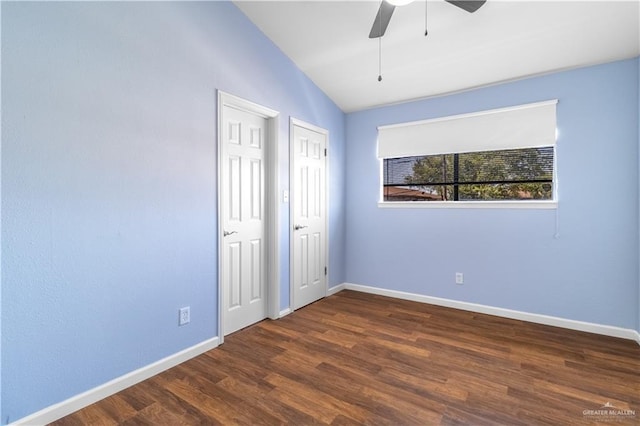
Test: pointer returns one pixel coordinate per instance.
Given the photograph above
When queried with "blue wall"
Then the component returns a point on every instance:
(108, 193)
(109, 182)
(0, 226)
(510, 258)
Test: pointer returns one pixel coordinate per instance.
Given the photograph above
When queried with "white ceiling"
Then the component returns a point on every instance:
(503, 40)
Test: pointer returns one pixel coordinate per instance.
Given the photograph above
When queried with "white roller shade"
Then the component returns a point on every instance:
(524, 126)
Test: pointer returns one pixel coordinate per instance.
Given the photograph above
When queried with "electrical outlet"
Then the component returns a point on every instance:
(184, 315)
(459, 278)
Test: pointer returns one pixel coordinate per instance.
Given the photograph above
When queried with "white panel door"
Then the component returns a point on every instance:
(309, 215)
(242, 202)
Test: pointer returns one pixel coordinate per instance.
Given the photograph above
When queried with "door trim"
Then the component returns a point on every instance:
(272, 213)
(296, 122)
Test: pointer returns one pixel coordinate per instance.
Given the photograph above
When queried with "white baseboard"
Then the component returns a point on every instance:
(336, 289)
(57, 411)
(285, 312)
(75, 403)
(332, 290)
(605, 330)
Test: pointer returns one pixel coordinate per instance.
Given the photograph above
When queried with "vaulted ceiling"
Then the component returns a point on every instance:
(502, 41)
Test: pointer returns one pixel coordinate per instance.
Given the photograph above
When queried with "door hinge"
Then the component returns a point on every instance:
(325, 152)
(325, 270)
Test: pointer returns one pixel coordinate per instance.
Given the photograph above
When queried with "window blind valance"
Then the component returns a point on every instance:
(525, 126)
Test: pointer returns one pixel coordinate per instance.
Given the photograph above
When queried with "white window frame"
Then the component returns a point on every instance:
(492, 204)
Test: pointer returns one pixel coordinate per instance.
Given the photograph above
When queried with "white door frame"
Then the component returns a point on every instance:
(296, 122)
(272, 273)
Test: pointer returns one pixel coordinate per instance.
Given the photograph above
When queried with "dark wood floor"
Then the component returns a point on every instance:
(356, 358)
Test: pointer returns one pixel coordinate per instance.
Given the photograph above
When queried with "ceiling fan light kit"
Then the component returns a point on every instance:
(386, 9)
(399, 2)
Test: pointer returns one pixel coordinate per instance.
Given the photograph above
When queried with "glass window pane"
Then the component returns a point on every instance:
(517, 174)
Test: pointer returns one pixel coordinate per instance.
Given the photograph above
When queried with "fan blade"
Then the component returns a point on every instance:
(468, 5)
(381, 22)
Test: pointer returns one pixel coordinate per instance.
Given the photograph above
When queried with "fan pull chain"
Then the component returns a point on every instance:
(380, 46)
(379, 58)
(425, 18)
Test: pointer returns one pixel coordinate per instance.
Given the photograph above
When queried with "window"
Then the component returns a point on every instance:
(500, 156)
(517, 174)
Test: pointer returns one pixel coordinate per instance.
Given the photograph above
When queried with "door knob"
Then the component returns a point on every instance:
(227, 233)
(299, 227)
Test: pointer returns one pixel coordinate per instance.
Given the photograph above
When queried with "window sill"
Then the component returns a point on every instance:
(468, 204)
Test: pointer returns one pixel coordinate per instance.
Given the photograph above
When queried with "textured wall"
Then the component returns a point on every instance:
(109, 182)
(510, 258)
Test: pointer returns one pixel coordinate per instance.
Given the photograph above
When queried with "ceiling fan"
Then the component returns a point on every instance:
(387, 7)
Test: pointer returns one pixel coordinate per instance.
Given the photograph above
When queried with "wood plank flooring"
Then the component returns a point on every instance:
(356, 358)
